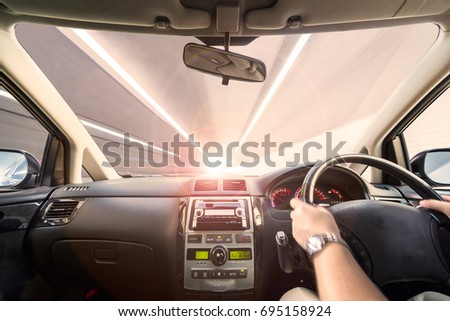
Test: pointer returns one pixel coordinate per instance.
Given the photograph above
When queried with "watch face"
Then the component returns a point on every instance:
(315, 243)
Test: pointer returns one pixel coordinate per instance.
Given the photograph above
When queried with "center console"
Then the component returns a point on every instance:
(219, 244)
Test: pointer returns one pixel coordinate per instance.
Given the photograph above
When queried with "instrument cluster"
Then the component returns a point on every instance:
(323, 195)
(336, 185)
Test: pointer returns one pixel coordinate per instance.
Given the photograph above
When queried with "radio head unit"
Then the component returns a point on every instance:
(219, 244)
(224, 214)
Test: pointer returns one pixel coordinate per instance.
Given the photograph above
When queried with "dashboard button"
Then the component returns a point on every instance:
(200, 274)
(242, 274)
(233, 274)
(194, 238)
(243, 238)
(219, 274)
(195, 274)
(219, 238)
(204, 274)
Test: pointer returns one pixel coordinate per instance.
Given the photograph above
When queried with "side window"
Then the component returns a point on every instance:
(428, 142)
(22, 141)
(431, 129)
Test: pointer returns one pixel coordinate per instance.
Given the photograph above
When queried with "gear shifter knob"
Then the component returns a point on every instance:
(285, 259)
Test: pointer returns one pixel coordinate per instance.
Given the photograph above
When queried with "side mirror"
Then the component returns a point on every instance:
(225, 64)
(433, 166)
(18, 169)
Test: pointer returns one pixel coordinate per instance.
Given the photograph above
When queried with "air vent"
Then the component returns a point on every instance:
(206, 185)
(395, 200)
(392, 200)
(61, 212)
(381, 186)
(234, 185)
(75, 188)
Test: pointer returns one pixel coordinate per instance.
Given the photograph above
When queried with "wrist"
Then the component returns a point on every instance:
(331, 252)
(316, 243)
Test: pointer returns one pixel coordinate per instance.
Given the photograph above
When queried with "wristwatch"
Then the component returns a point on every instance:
(317, 242)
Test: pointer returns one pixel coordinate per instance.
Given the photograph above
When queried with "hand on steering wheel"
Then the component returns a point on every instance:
(443, 207)
(394, 242)
(308, 220)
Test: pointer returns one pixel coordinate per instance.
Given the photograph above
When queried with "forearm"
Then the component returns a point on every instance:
(340, 277)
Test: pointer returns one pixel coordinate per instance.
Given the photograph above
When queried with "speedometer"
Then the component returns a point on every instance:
(280, 196)
(335, 196)
(320, 198)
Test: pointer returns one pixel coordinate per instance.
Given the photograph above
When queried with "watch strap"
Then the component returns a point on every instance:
(317, 242)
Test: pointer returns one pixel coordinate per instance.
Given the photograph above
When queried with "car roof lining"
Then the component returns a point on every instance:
(255, 17)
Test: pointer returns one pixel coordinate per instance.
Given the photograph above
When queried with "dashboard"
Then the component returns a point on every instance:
(181, 238)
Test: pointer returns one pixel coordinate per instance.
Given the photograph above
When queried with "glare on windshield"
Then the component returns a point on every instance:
(150, 114)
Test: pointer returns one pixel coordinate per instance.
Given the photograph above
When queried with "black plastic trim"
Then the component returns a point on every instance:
(25, 196)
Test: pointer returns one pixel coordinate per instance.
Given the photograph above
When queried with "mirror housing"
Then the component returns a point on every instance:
(18, 169)
(225, 64)
(433, 166)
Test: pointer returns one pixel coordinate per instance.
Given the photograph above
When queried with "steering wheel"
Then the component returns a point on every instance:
(392, 242)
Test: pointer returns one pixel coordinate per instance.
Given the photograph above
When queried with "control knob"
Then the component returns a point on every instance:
(219, 255)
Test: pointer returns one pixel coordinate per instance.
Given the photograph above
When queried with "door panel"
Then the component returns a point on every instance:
(18, 278)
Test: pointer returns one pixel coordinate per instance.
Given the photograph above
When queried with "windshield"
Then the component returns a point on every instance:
(150, 114)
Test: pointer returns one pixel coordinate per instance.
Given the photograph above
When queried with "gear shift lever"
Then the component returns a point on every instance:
(285, 258)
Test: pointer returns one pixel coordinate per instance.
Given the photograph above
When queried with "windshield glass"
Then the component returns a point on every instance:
(150, 114)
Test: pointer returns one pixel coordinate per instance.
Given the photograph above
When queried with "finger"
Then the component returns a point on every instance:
(298, 206)
(446, 197)
(293, 215)
(295, 203)
(435, 205)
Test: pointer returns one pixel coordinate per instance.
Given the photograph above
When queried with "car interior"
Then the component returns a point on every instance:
(149, 149)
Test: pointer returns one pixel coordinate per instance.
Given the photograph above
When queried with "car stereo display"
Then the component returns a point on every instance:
(240, 254)
(233, 254)
(219, 215)
(201, 255)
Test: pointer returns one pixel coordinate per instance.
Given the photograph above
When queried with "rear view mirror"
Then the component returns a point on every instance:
(225, 64)
(17, 168)
(433, 166)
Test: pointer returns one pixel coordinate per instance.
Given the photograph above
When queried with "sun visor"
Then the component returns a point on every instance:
(286, 13)
(146, 13)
